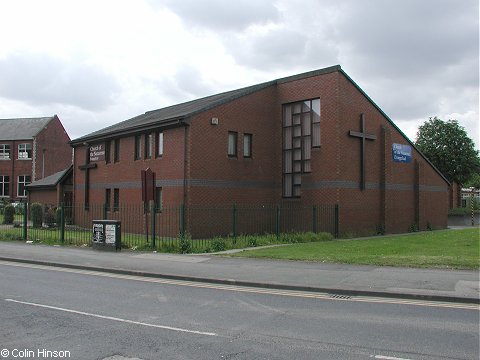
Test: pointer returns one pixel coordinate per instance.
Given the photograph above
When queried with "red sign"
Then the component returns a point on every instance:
(148, 185)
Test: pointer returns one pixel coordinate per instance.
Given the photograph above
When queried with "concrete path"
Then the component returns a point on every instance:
(440, 285)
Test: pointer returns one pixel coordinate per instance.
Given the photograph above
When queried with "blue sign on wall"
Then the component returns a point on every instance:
(401, 153)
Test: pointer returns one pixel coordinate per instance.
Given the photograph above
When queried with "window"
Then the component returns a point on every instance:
(4, 186)
(247, 145)
(25, 151)
(116, 199)
(148, 146)
(160, 144)
(232, 144)
(23, 180)
(301, 133)
(4, 152)
(108, 196)
(158, 198)
(116, 154)
(138, 147)
(107, 151)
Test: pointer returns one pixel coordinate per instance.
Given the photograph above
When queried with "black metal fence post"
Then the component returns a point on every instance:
(234, 223)
(182, 220)
(314, 219)
(25, 220)
(277, 221)
(337, 221)
(62, 223)
(153, 212)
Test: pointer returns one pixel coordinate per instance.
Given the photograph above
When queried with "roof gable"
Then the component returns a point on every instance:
(22, 128)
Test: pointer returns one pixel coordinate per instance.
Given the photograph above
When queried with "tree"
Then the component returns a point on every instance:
(448, 147)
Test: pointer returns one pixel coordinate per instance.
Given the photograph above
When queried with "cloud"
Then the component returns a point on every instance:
(224, 15)
(42, 80)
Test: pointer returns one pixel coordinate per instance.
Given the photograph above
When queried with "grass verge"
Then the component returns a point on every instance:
(456, 249)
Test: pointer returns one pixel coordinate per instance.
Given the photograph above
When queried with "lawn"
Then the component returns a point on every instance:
(457, 249)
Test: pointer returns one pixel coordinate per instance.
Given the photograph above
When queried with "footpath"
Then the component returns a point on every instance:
(336, 279)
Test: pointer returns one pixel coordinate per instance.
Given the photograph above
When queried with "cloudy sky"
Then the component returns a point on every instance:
(98, 62)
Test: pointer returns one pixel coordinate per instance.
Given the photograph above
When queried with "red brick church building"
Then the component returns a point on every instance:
(309, 139)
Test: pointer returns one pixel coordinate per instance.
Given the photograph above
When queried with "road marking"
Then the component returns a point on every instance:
(113, 318)
(237, 288)
(389, 357)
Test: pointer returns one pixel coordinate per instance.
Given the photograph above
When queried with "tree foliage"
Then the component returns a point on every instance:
(447, 145)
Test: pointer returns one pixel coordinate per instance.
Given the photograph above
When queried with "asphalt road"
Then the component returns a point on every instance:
(48, 313)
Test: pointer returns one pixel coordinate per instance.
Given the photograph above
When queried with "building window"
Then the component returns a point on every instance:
(23, 180)
(148, 146)
(116, 199)
(116, 153)
(108, 196)
(4, 186)
(25, 151)
(158, 198)
(160, 144)
(4, 152)
(107, 151)
(138, 147)
(247, 145)
(232, 144)
(301, 132)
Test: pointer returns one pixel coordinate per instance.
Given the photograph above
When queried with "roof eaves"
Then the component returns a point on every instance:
(393, 124)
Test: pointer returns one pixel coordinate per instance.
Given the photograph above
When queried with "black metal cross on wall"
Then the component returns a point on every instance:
(363, 137)
(86, 167)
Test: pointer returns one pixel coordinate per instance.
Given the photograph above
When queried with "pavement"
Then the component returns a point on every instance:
(336, 279)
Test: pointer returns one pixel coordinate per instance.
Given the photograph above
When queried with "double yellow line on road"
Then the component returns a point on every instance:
(245, 289)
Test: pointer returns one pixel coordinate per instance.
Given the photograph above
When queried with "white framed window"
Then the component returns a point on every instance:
(25, 151)
(23, 180)
(4, 152)
(4, 185)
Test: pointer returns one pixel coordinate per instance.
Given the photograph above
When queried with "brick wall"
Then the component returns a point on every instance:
(53, 153)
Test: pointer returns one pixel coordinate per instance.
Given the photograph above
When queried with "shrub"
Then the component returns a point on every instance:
(8, 214)
(58, 216)
(185, 246)
(218, 244)
(36, 214)
(49, 218)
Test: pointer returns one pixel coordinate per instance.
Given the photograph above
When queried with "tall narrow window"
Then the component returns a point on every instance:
(148, 146)
(301, 132)
(160, 144)
(247, 145)
(107, 151)
(25, 151)
(23, 180)
(108, 195)
(4, 186)
(116, 199)
(232, 144)
(138, 147)
(4, 152)
(116, 154)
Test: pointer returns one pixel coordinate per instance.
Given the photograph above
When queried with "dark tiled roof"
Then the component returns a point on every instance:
(190, 108)
(50, 181)
(23, 128)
